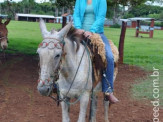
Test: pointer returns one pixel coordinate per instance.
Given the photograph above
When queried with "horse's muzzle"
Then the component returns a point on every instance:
(4, 47)
(44, 90)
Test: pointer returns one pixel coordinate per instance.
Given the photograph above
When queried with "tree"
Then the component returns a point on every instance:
(65, 3)
(118, 7)
(161, 15)
(145, 10)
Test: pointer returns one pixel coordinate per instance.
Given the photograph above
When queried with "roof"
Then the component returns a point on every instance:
(139, 18)
(57, 17)
(34, 15)
(3, 16)
(136, 18)
(125, 20)
(65, 14)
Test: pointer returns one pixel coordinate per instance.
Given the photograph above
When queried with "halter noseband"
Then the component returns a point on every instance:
(3, 37)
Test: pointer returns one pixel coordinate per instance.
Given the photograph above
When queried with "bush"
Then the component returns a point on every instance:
(161, 15)
(126, 16)
(148, 23)
(159, 24)
(155, 16)
(115, 26)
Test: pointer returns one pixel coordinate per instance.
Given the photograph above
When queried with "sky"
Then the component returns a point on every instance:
(155, 3)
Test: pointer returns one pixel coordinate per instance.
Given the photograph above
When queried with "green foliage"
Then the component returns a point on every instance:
(145, 10)
(65, 3)
(125, 2)
(155, 16)
(159, 24)
(116, 7)
(115, 26)
(27, 6)
(161, 15)
(128, 15)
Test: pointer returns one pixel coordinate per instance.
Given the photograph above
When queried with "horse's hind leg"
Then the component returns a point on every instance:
(106, 109)
(93, 108)
(83, 106)
(92, 116)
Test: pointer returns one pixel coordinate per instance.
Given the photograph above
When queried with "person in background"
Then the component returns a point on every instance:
(89, 17)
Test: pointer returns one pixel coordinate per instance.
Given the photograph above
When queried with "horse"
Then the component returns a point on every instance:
(4, 33)
(61, 53)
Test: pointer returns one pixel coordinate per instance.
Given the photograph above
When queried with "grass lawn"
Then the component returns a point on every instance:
(24, 37)
(147, 53)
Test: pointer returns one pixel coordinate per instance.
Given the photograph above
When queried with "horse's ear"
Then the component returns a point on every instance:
(7, 21)
(43, 28)
(65, 30)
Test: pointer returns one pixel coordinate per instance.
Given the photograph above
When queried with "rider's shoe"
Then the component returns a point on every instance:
(111, 98)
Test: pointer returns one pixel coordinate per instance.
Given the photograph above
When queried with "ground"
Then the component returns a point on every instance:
(21, 102)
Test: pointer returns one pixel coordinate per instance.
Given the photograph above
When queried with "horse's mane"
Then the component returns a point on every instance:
(74, 37)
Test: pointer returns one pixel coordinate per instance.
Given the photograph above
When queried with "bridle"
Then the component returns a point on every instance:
(55, 45)
(3, 37)
(60, 45)
(66, 98)
(59, 99)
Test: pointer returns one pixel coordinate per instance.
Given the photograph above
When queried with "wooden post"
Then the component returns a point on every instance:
(137, 28)
(64, 20)
(151, 28)
(121, 41)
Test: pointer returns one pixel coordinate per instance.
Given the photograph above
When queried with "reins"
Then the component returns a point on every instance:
(65, 98)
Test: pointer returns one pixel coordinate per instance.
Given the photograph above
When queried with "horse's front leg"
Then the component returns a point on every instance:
(65, 112)
(83, 106)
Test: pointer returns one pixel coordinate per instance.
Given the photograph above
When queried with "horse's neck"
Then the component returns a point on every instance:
(71, 59)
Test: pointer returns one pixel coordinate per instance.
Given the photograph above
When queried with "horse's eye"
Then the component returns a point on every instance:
(57, 56)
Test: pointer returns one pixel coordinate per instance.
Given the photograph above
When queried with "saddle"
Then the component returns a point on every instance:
(98, 56)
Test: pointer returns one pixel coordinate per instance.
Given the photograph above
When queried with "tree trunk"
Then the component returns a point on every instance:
(63, 10)
(68, 11)
(115, 16)
(56, 12)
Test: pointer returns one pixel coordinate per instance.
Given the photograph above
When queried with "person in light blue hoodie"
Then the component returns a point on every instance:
(89, 17)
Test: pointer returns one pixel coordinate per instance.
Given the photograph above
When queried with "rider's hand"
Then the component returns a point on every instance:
(87, 34)
(80, 31)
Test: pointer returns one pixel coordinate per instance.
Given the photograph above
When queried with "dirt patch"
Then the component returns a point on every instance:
(20, 101)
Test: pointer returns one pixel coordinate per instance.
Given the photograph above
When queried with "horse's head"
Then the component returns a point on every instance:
(4, 33)
(50, 52)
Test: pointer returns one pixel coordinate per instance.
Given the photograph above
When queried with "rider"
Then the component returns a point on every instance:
(89, 16)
